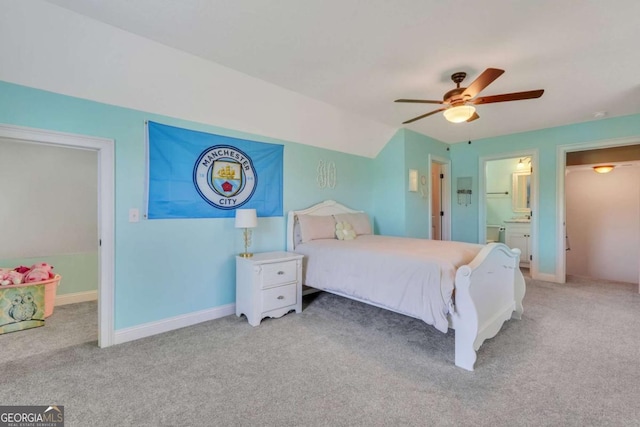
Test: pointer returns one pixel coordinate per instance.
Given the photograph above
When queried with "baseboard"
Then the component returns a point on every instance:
(306, 290)
(170, 324)
(546, 277)
(76, 297)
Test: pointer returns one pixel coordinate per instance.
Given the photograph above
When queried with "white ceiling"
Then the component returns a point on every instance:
(360, 55)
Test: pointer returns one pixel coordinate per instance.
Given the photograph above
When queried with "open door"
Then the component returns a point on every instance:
(440, 198)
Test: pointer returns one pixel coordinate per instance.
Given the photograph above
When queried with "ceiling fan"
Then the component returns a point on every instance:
(459, 102)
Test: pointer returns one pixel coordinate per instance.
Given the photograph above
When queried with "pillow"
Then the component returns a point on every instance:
(344, 231)
(359, 222)
(316, 227)
(297, 234)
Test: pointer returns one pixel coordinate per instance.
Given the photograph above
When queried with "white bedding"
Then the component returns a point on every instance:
(411, 276)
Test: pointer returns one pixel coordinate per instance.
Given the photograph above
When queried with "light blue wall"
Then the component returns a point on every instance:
(390, 187)
(417, 150)
(465, 160)
(166, 268)
(399, 212)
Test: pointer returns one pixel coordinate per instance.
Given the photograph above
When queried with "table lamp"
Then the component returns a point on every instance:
(247, 219)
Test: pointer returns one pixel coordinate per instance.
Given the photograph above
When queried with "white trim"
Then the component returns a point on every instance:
(445, 203)
(76, 297)
(561, 160)
(172, 323)
(535, 183)
(106, 205)
(547, 277)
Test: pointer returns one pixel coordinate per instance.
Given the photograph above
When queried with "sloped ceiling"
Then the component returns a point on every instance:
(360, 55)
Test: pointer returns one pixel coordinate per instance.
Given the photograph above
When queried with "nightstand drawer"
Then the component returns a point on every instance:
(279, 273)
(281, 296)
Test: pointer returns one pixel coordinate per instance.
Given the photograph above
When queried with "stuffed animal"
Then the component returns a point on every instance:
(10, 277)
(344, 231)
(4, 277)
(39, 272)
(22, 269)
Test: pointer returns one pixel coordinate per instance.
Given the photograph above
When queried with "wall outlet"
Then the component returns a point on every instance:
(134, 215)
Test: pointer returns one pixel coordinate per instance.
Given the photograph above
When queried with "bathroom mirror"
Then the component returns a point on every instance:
(521, 194)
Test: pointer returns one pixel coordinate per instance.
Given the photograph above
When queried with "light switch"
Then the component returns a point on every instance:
(134, 215)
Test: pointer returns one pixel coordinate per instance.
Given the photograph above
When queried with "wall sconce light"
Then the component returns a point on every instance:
(413, 180)
(521, 162)
(603, 168)
(247, 219)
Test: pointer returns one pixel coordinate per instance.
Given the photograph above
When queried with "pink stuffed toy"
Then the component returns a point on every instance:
(4, 276)
(10, 277)
(39, 272)
(22, 269)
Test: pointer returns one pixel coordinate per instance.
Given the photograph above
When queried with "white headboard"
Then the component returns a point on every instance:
(328, 207)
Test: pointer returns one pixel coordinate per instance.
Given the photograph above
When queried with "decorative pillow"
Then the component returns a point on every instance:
(316, 227)
(344, 231)
(297, 234)
(359, 222)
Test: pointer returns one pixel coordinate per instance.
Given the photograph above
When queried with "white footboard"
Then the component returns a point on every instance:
(489, 291)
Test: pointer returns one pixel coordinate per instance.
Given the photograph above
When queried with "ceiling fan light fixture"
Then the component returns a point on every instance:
(603, 168)
(459, 113)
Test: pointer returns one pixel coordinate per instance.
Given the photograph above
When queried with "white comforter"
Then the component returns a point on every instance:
(411, 276)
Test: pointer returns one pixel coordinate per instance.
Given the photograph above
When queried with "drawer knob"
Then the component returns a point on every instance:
(280, 273)
(281, 297)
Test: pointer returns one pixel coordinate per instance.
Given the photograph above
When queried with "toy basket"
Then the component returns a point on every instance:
(50, 289)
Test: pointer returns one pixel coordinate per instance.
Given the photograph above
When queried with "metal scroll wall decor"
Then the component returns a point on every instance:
(327, 174)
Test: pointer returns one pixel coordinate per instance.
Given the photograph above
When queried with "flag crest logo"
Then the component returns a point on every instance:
(225, 177)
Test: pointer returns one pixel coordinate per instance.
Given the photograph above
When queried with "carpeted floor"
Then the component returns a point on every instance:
(573, 360)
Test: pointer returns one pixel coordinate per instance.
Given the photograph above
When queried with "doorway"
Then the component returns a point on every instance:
(603, 225)
(105, 152)
(564, 240)
(438, 185)
(507, 202)
(436, 201)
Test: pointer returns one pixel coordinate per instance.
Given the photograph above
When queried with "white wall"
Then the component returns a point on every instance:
(48, 200)
(603, 223)
(51, 48)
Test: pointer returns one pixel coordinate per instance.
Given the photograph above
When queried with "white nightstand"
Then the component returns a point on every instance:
(268, 284)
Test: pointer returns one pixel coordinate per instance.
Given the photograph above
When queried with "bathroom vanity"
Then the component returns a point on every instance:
(518, 235)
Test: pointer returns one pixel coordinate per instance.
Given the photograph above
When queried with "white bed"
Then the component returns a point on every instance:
(415, 277)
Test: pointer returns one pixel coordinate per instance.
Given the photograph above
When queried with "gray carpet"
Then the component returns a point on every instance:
(573, 360)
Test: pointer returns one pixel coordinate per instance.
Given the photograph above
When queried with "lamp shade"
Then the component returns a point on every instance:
(459, 113)
(246, 218)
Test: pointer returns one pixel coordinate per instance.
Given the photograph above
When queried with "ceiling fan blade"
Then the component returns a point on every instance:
(423, 116)
(483, 80)
(474, 117)
(420, 101)
(516, 96)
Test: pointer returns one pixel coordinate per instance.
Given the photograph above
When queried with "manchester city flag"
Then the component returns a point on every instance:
(202, 175)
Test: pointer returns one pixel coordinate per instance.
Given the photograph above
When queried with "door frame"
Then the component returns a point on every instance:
(445, 202)
(561, 212)
(482, 200)
(104, 148)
